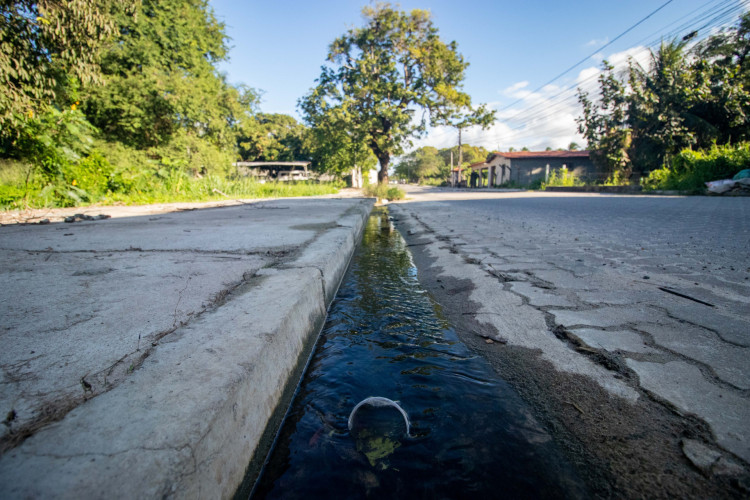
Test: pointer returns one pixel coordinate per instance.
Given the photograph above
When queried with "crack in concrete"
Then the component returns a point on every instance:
(278, 252)
(600, 356)
(100, 382)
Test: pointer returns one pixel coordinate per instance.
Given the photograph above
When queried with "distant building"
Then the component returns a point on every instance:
(525, 167)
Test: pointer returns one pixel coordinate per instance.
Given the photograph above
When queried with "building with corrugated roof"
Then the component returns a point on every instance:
(525, 167)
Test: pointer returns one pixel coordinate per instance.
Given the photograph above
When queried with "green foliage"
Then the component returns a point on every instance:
(469, 154)
(48, 145)
(603, 123)
(381, 74)
(617, 178)
(434, 181)
(90, 174)
(562, 177)
(166, 125)
(273, 137)
(163, 186)
(430, 166)
(46, 45)
(384, 192)
(420, 163)
(659, 108)
(690, 170)
(161, 78)
(684, 99)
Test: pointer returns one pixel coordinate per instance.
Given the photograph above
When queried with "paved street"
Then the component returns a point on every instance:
(647, 296)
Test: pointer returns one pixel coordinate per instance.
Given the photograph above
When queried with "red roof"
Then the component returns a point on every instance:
(543, 154)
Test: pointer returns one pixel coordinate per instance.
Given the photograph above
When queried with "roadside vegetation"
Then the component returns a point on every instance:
(384, 192)
(678, 122)
(690, 170)
(675, 123)
(115, 102)
(562, 178)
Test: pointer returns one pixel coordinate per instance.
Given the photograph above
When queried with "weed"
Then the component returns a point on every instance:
(384, 191)
(562, 177)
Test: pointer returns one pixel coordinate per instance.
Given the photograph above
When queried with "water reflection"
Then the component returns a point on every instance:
(470, 433)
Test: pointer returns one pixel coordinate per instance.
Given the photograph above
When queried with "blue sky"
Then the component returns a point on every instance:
(513, 47)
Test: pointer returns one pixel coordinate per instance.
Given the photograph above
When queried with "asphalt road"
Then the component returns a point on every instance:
(641, 300)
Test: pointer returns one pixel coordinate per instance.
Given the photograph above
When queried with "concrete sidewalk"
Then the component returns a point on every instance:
(143, 356)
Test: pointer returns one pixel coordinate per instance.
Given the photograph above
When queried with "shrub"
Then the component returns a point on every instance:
(383, 191)
(90, 174)
(10, 195)
(562, 177)
(618, 178)
(690, 170)
(395, 193)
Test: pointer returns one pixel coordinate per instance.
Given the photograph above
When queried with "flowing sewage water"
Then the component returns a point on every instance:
(470, 434)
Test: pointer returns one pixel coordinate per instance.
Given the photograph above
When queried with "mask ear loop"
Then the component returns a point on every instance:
(380, 401)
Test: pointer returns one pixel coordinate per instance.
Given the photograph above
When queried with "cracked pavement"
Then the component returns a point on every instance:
(647, 296)
(160, 344)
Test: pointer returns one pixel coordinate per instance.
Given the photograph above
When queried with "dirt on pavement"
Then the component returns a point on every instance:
(621, 450)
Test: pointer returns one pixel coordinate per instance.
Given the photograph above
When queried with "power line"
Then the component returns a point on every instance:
(679, 30)
(595, 52)
(717, 20)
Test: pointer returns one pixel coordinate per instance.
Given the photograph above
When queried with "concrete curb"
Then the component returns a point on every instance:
(200, 405)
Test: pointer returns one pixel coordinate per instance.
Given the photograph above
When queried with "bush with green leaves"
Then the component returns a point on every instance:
(384, 192)
(562, 177)
(690, 170)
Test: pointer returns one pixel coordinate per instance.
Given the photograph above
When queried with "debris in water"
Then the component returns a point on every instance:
(378, 424)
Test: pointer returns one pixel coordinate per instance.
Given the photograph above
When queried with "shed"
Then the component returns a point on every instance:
(525, 167)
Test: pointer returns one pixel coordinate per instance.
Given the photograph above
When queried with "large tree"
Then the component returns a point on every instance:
(659, 107)
(162, 81)
(46, 45)
(272, 137)
(388, 80)
(420, 163)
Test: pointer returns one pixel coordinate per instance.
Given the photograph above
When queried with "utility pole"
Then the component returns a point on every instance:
(460, 155)
(453, 177)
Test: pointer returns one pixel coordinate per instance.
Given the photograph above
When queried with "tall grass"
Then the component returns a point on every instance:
(384, 192)
(562, 177)
(94, 181)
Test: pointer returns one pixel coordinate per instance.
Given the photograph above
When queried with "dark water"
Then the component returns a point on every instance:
(470, 436)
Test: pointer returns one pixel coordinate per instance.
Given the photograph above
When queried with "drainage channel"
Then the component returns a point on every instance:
(440, 424)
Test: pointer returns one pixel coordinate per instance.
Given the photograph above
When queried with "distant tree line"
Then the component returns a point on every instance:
(694, 97)
(429, 163)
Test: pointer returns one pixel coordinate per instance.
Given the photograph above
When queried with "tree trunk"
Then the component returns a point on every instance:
(384, 160)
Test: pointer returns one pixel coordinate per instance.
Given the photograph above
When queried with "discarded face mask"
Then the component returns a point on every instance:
(378, 425)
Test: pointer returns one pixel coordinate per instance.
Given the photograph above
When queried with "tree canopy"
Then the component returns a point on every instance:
(686, 97)
(45, 46)
(161, 78)
(429, 162)
(387, 81)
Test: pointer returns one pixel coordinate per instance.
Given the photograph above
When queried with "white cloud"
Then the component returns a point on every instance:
(597, 42)
(543, 118)
(587, 74)
(513, 89)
